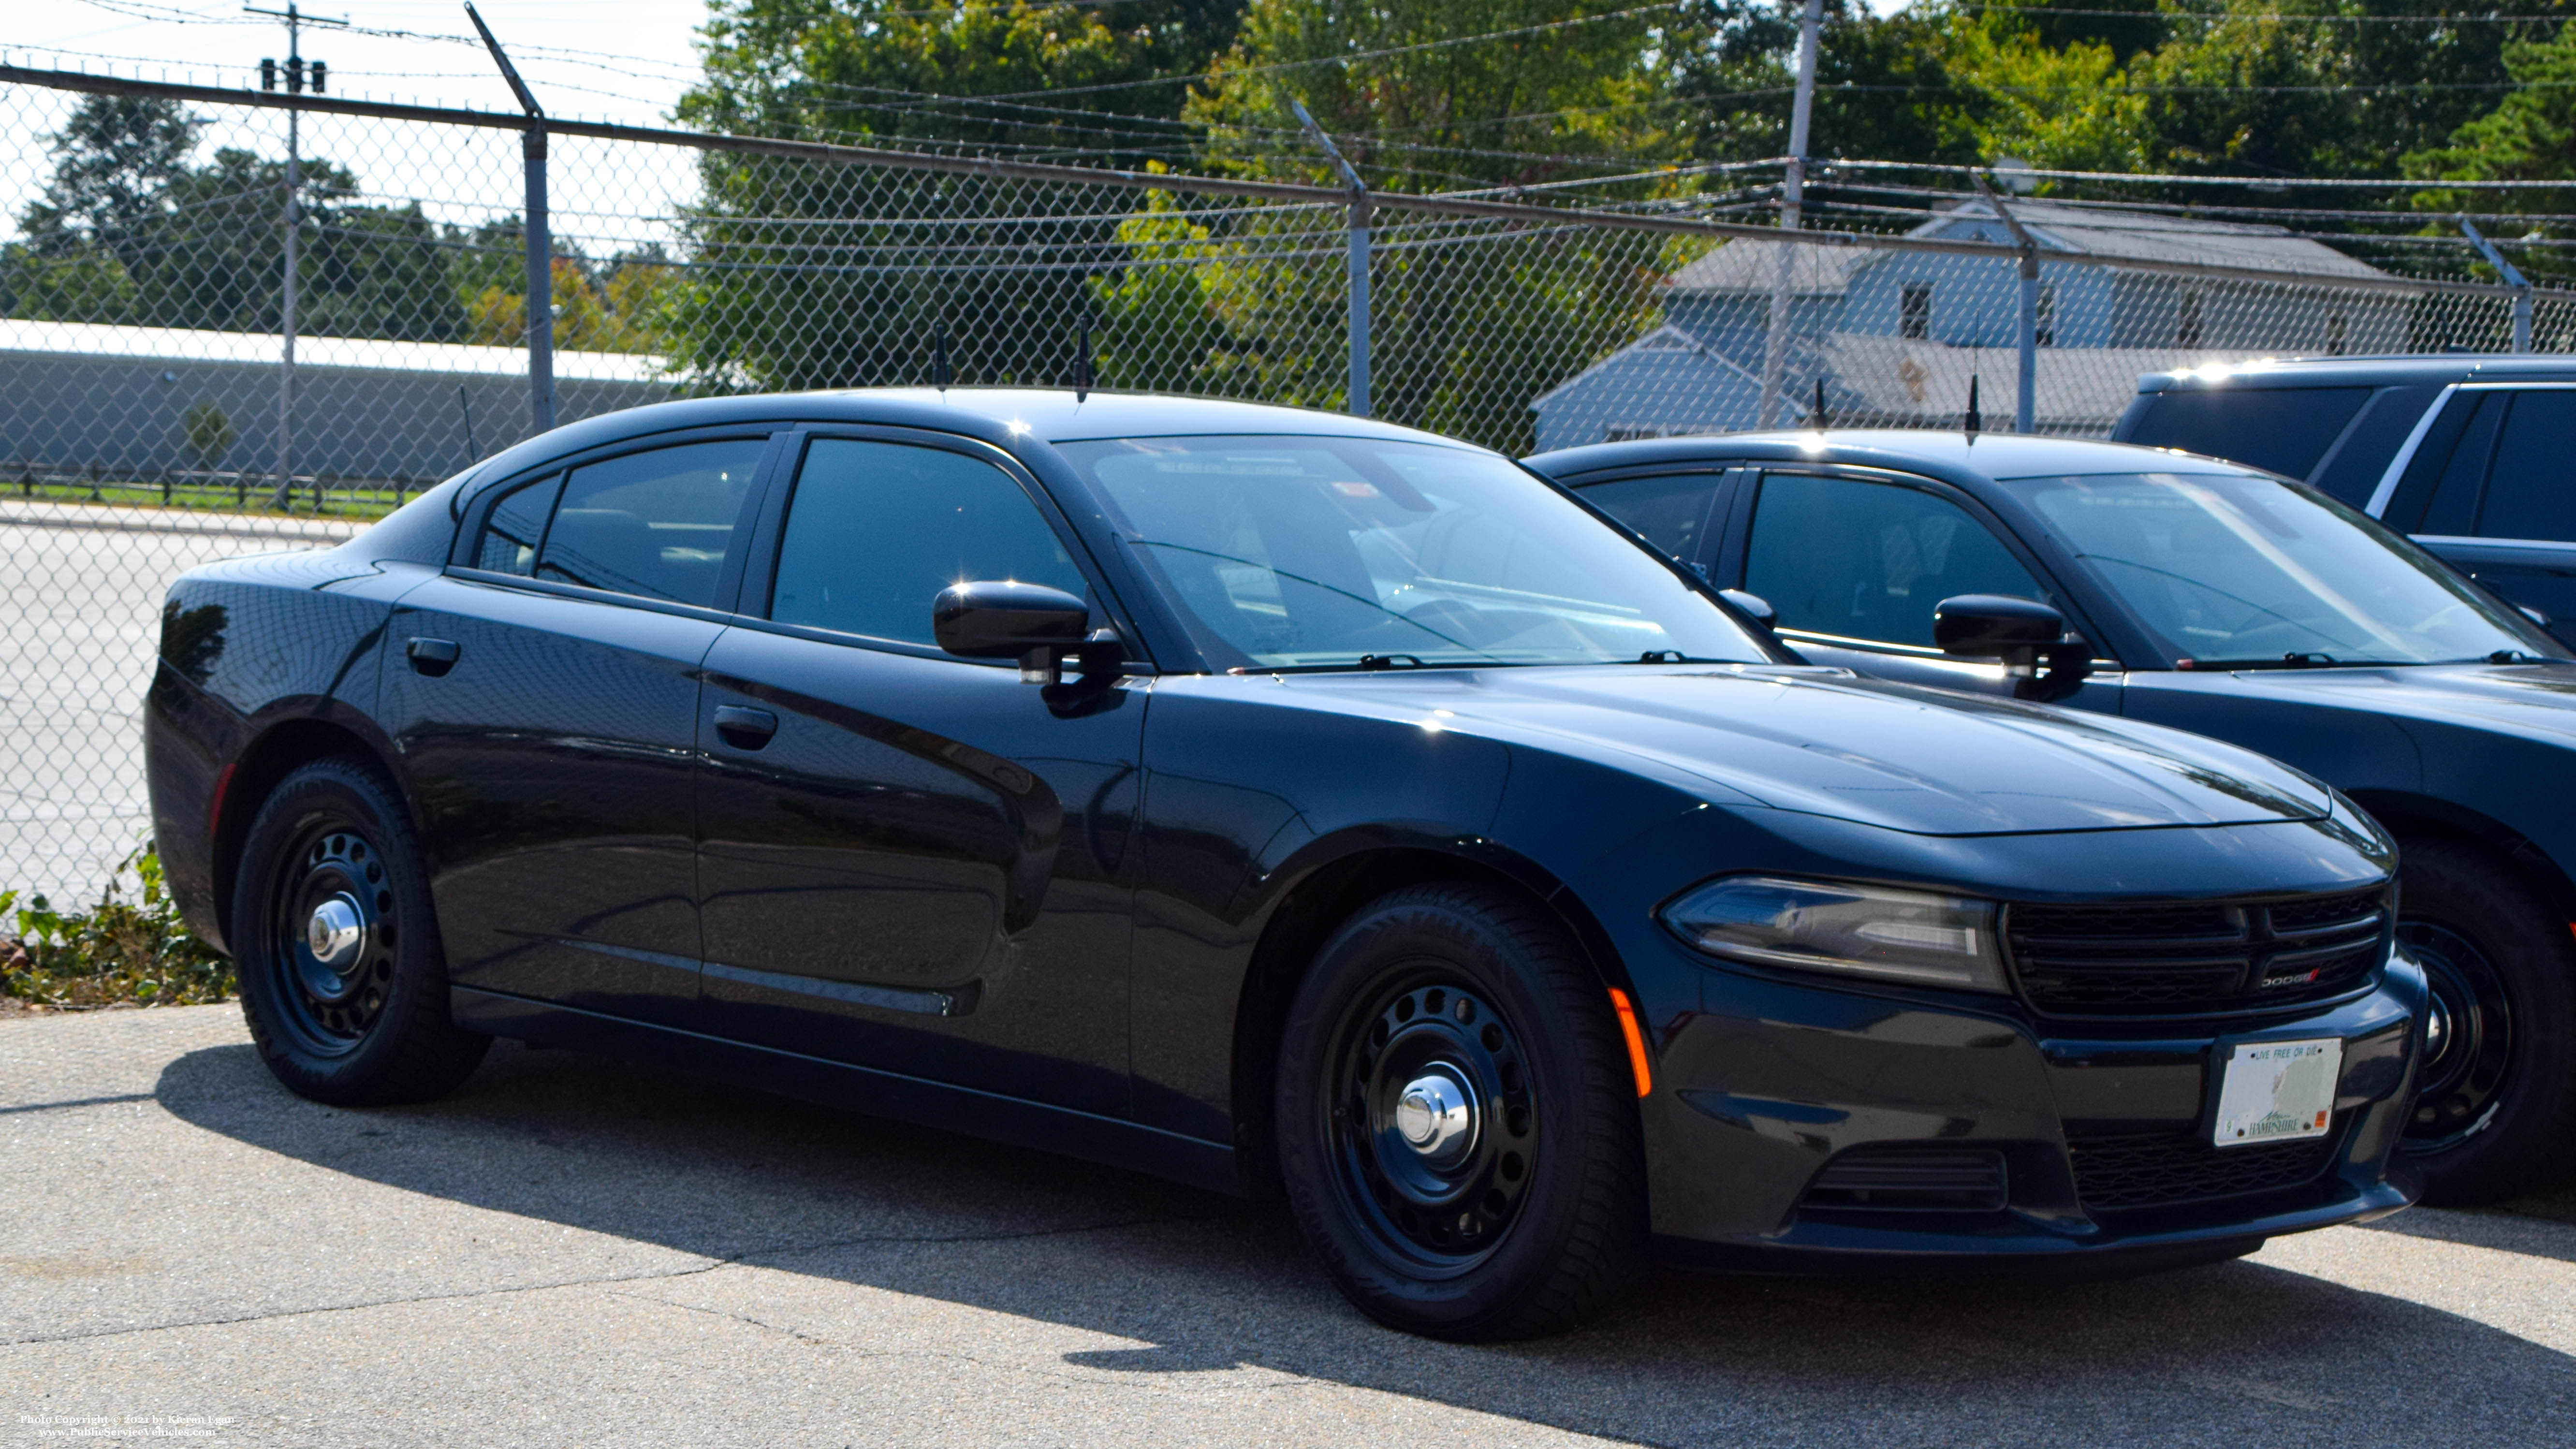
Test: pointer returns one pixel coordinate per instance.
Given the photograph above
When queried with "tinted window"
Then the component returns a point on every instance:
(2284, 429)
(2232, 569)
(2441, 438)
(656, 524)
(2353, 473)
(876, 530)
(517, 525)
(1671, 512)
(1316, 552)
(2454, 505)
(1870, 560)
(2529, 491)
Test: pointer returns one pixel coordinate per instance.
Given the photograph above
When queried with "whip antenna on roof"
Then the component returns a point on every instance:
(939, 374)
(1975, 420)
(1082, 366)
(1820, 401)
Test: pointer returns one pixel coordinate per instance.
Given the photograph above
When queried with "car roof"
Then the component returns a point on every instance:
(1950, 455)
(2358, 371)
(1003, 416)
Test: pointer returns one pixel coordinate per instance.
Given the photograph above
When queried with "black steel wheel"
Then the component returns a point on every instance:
(1457, 1120)
(342, 979)
(2468, 1044)
(1435, 1134)
(2495, 1102)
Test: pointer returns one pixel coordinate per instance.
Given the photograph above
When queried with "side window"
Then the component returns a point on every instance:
(1870, 560)
(516, 526)
(656, 523)
(876, 530)
(2433, 456)
(1671, 512)
(2283, 429)
(2454, 505)
(2528, 490)
(2353, 473)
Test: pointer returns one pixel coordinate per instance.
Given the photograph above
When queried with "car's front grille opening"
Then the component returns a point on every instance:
(2167, 1169)
(2188, 959)
(1911, 1179)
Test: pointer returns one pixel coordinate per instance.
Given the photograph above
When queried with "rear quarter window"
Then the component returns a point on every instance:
(2283, 429)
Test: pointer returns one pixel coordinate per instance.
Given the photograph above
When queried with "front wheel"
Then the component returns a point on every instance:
(2495, 1102)
(1458, 1129)
(342, 977)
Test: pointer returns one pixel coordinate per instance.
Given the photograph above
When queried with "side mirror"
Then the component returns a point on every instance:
(1981, 626)
(1003, 619)
(2028, 636)
(1755, 607)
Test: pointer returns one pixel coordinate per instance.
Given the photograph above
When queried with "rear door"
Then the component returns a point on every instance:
(543, 696)
(2491, 488)
(908, 860)
(1853, 567)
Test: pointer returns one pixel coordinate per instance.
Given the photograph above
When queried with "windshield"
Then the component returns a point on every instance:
(2227, 569)
(1287, 552)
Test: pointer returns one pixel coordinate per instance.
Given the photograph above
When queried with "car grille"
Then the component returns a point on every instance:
(2163, 1169)
(1911, 1179)
(2195, 959)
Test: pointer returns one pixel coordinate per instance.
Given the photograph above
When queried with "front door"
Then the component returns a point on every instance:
(543, 697)
(908, 860)
(1853, 568)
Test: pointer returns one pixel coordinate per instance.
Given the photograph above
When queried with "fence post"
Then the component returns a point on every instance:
(1358, 397)
(2521, 285)
(1793, 188)
(541, 284)
(286, 327)
(2026, 323)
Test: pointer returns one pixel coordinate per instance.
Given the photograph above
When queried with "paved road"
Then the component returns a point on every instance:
(570, 1251)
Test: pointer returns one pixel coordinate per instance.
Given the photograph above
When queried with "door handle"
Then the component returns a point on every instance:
(432, 657)
(743, 727)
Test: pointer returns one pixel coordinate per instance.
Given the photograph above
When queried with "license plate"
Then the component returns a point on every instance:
(2277, 1091)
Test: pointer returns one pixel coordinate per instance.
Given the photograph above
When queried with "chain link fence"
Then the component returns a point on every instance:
(150, 418)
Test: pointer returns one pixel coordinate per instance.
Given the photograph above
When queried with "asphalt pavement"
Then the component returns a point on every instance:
(574, 1251)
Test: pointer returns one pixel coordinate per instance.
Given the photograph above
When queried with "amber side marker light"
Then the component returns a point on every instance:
(1636, 1040)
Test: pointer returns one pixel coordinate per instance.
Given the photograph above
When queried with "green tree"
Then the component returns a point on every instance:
(115, 160)
(817, 276)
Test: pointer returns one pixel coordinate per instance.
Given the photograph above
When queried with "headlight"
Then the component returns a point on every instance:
(1851, 930)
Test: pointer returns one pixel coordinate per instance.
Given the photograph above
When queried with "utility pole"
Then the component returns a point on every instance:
(1793, 188)
(541, 277)
(1359, 229)
(296, 77)
(2512, 278)
(2026, 331)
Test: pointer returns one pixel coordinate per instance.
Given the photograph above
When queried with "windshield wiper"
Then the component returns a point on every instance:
(2295, 659)
(2516, 656)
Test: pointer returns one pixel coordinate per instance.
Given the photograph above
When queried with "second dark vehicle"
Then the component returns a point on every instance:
(1269, 798)
(2195, 593)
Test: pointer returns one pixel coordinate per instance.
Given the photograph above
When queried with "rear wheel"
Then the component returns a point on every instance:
(1458, 1131)
(343, 981)
(2495, 1103)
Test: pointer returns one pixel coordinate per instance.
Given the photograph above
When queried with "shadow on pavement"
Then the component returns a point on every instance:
(2235, 1352)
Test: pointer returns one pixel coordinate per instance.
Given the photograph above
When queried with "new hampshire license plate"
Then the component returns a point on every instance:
(2277, 1091)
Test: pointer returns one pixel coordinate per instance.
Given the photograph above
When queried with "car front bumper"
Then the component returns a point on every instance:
(2098, 1132)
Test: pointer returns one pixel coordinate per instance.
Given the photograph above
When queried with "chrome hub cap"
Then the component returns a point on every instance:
(333, 931)
(1436, 1114)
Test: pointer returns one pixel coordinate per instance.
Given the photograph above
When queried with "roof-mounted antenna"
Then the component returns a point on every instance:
(1082, 366)
(1976, 421)
(1820, 402)
(940, 376)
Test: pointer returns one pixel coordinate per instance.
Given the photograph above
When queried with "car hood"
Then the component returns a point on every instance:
(2534, 701)
(1826, 742)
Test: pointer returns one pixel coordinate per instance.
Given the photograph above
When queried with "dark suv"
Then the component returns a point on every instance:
(2467, 453)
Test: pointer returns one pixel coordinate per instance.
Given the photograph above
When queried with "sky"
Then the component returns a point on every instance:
(615, 60)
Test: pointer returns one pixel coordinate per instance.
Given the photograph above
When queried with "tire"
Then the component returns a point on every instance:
(1524, 1210)
(363, 1022)
(2495, 1105)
